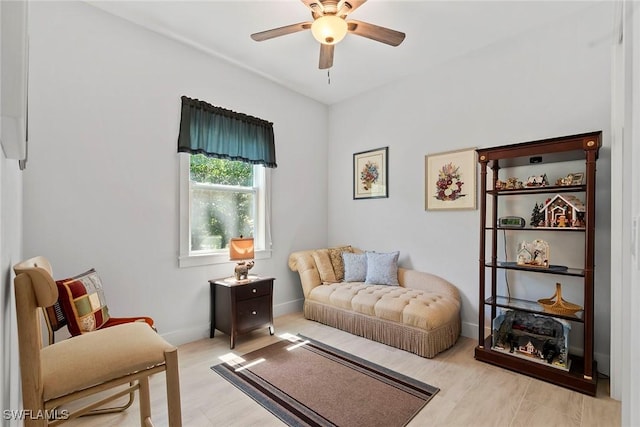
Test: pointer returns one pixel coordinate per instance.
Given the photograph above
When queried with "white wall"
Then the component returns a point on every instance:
(625, 193)
(101, 186)
(10, 253)
(549, 82)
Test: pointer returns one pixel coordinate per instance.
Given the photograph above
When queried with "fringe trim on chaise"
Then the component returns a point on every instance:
(419, 341)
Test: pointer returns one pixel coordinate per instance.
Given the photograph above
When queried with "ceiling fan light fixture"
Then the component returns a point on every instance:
(329, 29)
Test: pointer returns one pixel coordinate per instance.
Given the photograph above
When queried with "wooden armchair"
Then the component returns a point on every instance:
(87, 364)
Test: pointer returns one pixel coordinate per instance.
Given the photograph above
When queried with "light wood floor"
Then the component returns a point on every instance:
(471, 393)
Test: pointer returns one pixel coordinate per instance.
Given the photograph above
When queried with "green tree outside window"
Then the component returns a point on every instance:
(222, 201)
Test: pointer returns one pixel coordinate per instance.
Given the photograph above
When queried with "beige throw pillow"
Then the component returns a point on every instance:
(335, 254)
(324, 266)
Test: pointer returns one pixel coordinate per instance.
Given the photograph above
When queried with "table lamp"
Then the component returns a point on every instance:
(241, 249)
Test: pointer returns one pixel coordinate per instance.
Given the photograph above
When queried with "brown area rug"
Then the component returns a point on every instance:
(306, 383)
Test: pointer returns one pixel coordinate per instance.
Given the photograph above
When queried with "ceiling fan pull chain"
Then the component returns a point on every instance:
(328, 76)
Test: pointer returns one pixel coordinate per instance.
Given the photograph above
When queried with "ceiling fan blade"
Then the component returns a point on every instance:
(326, 56)
(348, 6)
(281, 31)
(375, 32)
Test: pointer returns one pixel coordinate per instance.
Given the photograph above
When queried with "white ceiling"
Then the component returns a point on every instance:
(436, 31)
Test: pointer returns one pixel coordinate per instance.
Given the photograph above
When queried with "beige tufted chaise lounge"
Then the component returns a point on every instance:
(422, 315)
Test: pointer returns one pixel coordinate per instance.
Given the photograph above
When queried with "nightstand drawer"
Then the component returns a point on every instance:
(253, 290)
(253, 313)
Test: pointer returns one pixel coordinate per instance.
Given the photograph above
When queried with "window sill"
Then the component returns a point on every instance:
(210, 259)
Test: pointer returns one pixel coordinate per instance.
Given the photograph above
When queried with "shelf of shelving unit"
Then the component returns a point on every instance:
(573, 379)
(582, 375)
(560, 229)
(547, 189)
(562, 271)
(530, 307)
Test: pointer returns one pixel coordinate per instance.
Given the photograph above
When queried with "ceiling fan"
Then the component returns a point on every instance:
(329, 26)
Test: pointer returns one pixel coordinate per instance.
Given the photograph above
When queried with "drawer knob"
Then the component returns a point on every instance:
(254, 290)
(253, 312)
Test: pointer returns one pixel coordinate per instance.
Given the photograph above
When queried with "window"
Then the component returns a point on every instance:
(221, 199)
(225, 194)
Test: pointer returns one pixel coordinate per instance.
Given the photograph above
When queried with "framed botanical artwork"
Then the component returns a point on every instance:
(450, 180)
(370, 176)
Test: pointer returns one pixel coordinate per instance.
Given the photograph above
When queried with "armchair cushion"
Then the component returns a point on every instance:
(106, 354)
(83, 302)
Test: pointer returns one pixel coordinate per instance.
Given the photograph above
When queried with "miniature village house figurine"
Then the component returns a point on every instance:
(533, 254)
(539, 338)
(564, 211)
(537, 181)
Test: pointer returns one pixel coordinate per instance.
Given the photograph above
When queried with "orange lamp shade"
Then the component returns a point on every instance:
(241, 248)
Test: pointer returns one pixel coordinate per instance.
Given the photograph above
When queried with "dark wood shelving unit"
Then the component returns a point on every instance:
(583, 375)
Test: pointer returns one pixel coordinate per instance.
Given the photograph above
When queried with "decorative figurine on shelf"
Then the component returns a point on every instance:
(513, 184)
(564, 211)
(538, 337)
(571, 179)
(537, 181)
(537, 215)
(242, 270)
(499, 185)
(533, 254)
(565, 181)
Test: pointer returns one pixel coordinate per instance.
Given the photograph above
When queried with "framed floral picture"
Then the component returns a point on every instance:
(450, 180)
(370, 177)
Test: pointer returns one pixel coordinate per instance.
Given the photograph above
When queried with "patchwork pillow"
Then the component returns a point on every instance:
(382, 268)
(324, 266)
(355, 267)
(83, 302)
(335, 254)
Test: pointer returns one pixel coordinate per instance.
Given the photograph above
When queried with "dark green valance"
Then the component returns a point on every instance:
(225, 134)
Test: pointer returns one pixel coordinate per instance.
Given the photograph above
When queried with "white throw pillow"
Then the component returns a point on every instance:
(355, 267)
(382, 268)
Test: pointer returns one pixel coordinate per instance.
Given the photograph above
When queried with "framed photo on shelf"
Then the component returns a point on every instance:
(450, 180)
(370, 174)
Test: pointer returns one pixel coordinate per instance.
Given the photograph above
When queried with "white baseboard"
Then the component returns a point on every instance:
(604, 363)
(184, 336)
(288, 307)
(470, 330)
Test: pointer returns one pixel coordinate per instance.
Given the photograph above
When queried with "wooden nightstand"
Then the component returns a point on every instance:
(241, 307)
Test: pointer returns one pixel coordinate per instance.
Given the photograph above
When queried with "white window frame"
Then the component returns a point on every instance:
(262, 224)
